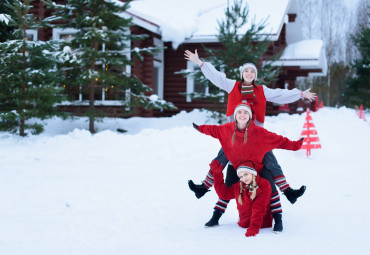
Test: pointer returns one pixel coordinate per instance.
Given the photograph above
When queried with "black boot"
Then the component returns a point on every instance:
(278, 227)
(199, 190)
(293, 194)
(214, 220)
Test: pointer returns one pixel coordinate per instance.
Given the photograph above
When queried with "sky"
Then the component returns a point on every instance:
(69, 192)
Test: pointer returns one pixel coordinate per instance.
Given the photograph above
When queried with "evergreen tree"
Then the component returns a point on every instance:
(239, 46)
(28, 74)
(101, 52)
(6, 12)
(358, 87)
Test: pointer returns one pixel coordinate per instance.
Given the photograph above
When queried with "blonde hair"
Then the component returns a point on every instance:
(250, 187)
(245, 135)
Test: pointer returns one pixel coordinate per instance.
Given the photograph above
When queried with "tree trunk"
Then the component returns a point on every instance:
(92, 93)
(23, 103)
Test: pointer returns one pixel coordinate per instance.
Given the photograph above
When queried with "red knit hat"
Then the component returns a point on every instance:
(244, 106)
(247, 168)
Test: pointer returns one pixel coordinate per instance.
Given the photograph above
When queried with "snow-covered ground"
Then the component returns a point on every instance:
(69, 192)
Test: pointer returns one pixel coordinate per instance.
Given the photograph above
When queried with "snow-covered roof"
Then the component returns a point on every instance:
(308, 54)
(197, 20)
(193, 21)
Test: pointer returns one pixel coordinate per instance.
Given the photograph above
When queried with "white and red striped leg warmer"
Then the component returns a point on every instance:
(208, 181)
(275, 203)
(280, 181)
(221, 205)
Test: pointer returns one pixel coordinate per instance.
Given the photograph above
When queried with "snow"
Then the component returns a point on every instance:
(69, 192)
(308, 54)
(5, 18)
(306, 49)
(194, 19)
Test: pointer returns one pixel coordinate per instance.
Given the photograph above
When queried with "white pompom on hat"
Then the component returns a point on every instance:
(244, 106)
(246, 65)
(246, 169)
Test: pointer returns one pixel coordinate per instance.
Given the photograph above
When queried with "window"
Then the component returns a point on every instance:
(105, 94)
(65, 34)
(194, 87)
(31, 34)
(158, 69)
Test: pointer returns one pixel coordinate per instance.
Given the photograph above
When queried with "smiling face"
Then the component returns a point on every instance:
(249, 75)
(245, 177)
(242, 117)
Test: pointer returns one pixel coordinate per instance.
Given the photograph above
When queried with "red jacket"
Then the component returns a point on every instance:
(259, 141)
(259, 106)
(252, 213)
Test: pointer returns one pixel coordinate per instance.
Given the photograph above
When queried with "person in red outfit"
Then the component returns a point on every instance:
(252, 194)
(244, 141)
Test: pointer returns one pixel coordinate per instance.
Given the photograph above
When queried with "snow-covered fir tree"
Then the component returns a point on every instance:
(239, 46)
(101, 55)
(28, 74)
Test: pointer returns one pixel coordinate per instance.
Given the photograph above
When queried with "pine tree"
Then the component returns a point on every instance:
(358, 87)
(6, 12)
(28, 74)
(101, 52)
(238, 47)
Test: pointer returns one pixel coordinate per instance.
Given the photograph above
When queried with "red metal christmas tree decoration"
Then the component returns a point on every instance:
(309, 133)
(321, 105)
(316, 106)
(361, 113)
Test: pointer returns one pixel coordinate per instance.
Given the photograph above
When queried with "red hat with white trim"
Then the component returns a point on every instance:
(245, 168)
(243, 106)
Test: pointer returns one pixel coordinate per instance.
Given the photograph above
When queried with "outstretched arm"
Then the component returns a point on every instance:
(217, 78)
(222, 191)
(286, 96)
(212, 130)
(275, 141)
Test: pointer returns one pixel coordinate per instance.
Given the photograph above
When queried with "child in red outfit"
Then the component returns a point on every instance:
(252, 194)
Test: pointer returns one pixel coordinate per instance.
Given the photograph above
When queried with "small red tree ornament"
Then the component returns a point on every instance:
(321, 105)
(309, 133)
(316, 106)
(361, 113)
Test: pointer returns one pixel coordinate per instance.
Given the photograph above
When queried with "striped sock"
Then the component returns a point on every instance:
(275, 203)
(208, 181)
(280, 181)
(221, 205)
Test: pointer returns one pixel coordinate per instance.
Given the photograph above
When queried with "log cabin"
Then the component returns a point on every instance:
(179, 25)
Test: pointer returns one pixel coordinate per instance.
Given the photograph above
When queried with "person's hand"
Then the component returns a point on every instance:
(309, 95)
(196, 126)
(251, 232)
(216, 167)
(302, 139)
(193, 57)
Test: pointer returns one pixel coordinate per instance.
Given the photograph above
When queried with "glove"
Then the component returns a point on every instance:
(302, 139)
(251, 232)
(195, 126)
(216, 167)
